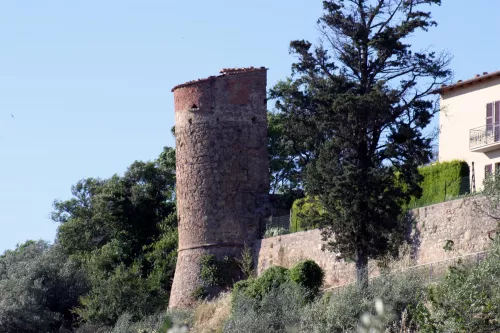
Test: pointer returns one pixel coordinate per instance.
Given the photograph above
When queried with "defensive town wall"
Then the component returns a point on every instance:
(455, 220)
(221, 169)
(223, 191)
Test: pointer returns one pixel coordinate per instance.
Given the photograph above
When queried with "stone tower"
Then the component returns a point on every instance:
(222, 170)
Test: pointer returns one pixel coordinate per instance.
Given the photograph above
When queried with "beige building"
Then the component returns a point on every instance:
(469, 124)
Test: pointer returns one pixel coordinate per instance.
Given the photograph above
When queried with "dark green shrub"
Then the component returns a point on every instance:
(442, 181)
(272, 278)
(124, 290)
(218, 272)
(308, 275)
(305, 215)
(211, 270)
(199, 293)
(242, 286)
(39, 288)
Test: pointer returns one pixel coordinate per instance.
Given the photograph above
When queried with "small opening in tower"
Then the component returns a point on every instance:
(190, 121)
(254, 120)
(194, 107)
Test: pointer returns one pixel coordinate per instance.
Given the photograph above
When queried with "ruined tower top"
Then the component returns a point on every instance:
(223, 72)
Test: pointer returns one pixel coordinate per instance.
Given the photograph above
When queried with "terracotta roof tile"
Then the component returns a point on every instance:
(463, 83)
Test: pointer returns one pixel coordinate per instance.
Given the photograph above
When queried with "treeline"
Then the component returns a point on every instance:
(115, 250)
(114, 253)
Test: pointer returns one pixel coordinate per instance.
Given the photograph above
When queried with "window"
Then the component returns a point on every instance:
(493, 120)
(489, 116)
(487, 170)
(497, 168)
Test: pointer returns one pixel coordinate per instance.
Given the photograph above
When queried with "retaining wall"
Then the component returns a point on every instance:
(455, 220)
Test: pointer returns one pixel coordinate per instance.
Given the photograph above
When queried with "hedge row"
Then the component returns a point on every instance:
(442, 181)
(306, 206)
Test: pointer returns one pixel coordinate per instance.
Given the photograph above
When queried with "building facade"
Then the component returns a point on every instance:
(470, 125)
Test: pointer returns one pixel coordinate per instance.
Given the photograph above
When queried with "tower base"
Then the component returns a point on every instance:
(187, 273)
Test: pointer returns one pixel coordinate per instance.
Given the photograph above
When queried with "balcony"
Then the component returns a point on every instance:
(485, 138)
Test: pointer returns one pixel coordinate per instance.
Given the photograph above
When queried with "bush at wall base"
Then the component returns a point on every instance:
(306, 274)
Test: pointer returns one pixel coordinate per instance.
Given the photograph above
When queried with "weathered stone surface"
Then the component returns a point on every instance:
(222, 170)
(454, 220)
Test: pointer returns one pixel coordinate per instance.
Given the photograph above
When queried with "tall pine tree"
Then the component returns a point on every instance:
(356, 104)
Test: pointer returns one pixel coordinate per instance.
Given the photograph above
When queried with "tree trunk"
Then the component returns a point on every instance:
(361, 269)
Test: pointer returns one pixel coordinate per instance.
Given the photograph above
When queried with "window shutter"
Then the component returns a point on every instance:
(487, 170)
(489, 116)
(496, 119)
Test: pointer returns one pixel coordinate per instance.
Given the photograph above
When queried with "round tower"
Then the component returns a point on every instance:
(222, 170)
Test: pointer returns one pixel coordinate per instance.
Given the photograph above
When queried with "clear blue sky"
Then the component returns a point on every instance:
(88, 81)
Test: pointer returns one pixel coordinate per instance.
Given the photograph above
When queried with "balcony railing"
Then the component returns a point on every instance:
(483, 136)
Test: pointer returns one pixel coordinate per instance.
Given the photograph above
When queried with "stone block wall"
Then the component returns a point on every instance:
(221, 169)
(454, 220)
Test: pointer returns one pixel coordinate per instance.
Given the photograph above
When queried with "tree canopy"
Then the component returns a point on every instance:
(123, 232)
(356, 105)
(39, 287)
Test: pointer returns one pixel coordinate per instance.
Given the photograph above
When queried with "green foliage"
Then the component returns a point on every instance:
(306, 214)
(275, 231)
(442, 181)
(39, 287)
(199, 293)
(489, 204)
(161, 322)
(448, 246)
(242, 286)
(309, 275)
(356, 106)
(123, 233)
(122, 290)
(217, 272)
(246, 262)
(306, 274)
(277, 311)
(467, 300)
(375, 322)
(272, 278)
(285, 165)
(211, 270)
(341, 312)
(285, 306)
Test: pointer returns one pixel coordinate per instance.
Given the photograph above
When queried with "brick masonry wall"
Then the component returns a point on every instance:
(222, 170)
(453, 220)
